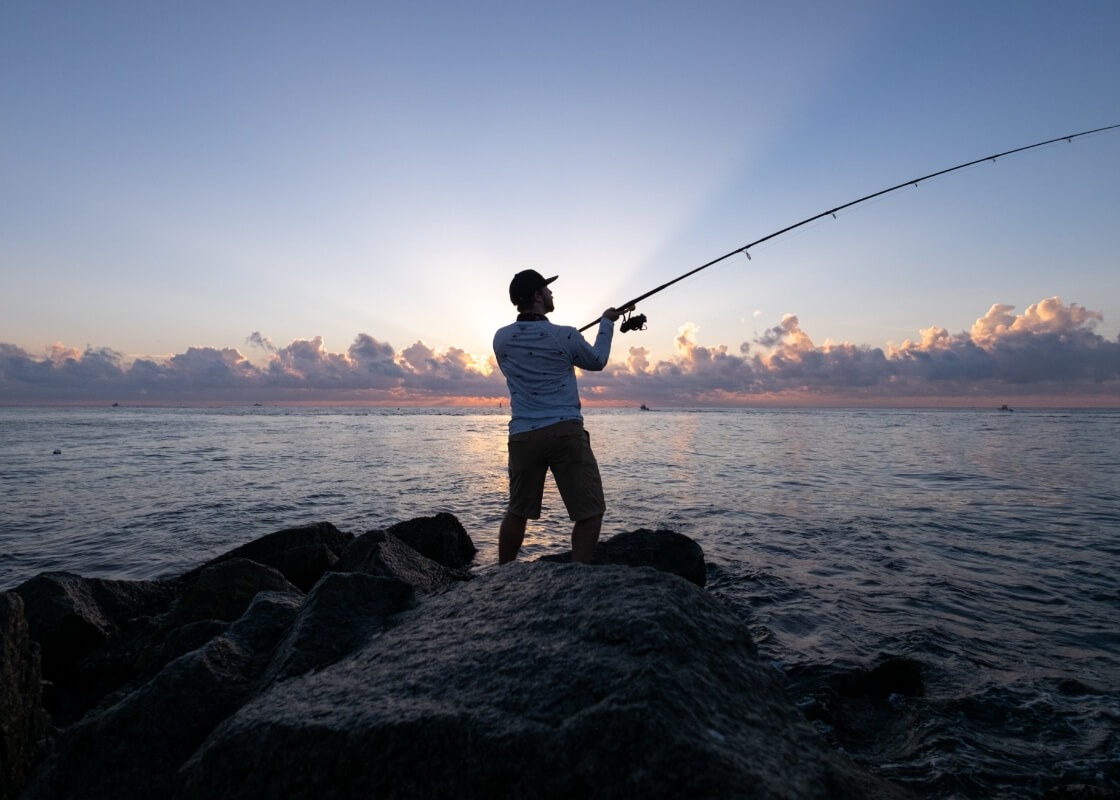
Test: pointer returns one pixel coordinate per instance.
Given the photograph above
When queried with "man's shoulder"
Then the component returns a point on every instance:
(508, 335)
(519, 326)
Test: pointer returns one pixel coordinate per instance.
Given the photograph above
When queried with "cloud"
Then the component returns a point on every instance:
(303, 371)
(1047, 317)
(1051, 350)
(255, 339)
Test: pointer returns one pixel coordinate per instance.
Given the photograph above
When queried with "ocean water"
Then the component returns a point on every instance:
(941, 587)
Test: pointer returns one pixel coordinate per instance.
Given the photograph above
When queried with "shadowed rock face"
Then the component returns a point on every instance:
(383, 554)
(132, 746)
(667, 551)
(342, 613)
(300, 554)
(441, 538)
(70, 616)
(397, 676)
(535, 680)
(23, 723)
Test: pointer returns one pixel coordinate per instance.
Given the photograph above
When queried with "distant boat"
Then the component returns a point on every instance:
(116, 405)
(644, 407)
(1005, 408)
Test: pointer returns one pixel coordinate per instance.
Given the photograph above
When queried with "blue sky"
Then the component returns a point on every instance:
(304, 183)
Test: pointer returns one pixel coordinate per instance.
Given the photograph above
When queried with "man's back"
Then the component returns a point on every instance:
(538, 360)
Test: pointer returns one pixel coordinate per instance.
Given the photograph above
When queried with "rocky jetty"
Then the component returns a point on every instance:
(313, 663)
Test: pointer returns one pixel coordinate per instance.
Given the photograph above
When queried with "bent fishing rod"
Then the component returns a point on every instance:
(638, 321)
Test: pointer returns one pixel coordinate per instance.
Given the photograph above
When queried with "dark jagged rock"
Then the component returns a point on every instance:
(382, 554)
(132, 748)
(180, 641)
(341, 614)
(394, 676)
(216, 595)
(137, 648)
(70, 616)
(223, 590)
(23, 723)
(300, 554)
(1080, 791)
(667, 551)
(535, 680)
(103, 670)
(441, 538)
(892, 676)
(863, 710)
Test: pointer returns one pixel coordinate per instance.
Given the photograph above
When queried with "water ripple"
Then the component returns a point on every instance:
(981, 549)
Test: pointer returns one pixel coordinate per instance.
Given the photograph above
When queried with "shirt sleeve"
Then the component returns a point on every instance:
(591, 357)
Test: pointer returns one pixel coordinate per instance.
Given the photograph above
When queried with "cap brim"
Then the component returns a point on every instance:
(550, 280)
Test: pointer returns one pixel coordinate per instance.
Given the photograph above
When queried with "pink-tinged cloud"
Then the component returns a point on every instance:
(1051, 352)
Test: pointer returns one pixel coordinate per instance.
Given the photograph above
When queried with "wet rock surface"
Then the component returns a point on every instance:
(441, 538)
(536, 680)
(667, 551)
(341, 666)
(23, 722)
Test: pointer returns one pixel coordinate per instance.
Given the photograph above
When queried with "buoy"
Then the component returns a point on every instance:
(57, 452)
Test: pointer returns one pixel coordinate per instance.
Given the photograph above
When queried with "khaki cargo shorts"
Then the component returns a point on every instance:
(565, 448)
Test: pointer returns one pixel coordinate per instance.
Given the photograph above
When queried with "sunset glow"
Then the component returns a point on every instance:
(326, 205)
(1050, 355)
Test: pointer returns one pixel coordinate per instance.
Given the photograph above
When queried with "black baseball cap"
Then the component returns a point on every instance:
(525, 283)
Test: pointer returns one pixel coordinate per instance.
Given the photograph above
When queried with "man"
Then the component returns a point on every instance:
(546, 429)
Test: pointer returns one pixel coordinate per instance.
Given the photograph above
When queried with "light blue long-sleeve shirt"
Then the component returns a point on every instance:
(539, 360)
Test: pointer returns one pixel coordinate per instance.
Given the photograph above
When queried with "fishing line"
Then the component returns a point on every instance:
(631, 321)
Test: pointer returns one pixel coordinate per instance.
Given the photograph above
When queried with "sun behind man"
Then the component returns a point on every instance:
(546, 429)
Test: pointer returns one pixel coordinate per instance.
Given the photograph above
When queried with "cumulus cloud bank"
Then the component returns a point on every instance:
(304, 371)
(1049, 351)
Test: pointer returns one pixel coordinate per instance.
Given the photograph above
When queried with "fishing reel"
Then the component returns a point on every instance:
(632, 322)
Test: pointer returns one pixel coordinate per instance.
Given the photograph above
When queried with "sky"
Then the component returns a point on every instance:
(276, 202)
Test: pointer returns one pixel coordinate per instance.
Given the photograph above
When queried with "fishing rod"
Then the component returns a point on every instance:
(638, 322)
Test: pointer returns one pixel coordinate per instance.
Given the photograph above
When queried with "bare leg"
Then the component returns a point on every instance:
(585, 535)
(510, 537)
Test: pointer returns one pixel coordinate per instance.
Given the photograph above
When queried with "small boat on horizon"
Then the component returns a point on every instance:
(643, 407)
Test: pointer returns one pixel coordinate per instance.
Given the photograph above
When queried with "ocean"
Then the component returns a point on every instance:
(941, 587)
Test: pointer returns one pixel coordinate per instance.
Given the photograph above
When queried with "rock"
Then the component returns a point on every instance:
(341, 614)
(223, 589)
(23, 723)
(863, 710)
(300, 554)
(132, 748)
(180, 641)
(395, 676)
(1080, 791)
(667, 551)
(382, 554)
(69, 615)
(441, 538)
(103, 670)
(220, 592)
(98, 635)
(535, 680)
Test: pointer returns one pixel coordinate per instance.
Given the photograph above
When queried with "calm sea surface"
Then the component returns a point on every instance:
(977, 548)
